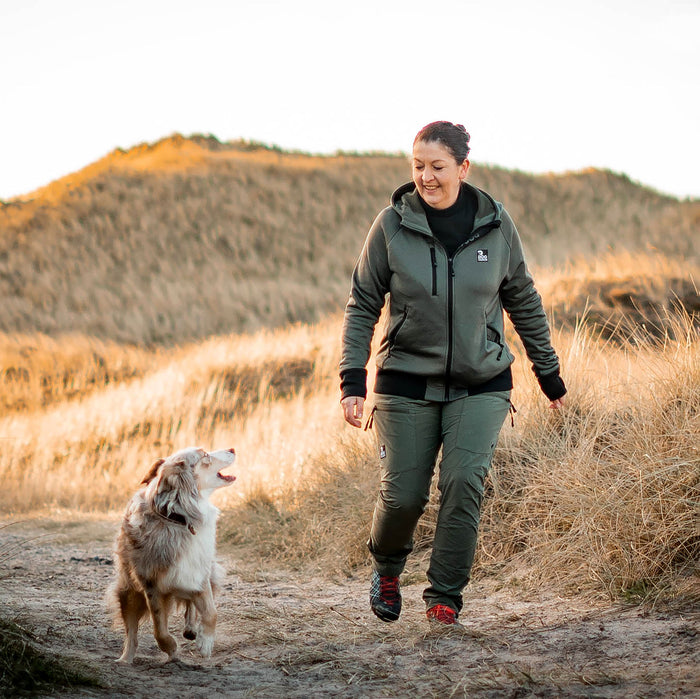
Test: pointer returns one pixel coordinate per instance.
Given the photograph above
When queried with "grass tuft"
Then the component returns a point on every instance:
(26, 669)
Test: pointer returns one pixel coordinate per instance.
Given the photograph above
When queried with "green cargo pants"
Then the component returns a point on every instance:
(409, 436)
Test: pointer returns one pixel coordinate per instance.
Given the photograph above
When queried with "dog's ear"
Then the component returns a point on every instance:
(152, 472)
(176, 491)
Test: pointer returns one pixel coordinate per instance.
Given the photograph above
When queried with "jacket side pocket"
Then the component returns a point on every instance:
(393, 333)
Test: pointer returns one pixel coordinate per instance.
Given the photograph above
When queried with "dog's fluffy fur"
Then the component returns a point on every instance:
(165, 550)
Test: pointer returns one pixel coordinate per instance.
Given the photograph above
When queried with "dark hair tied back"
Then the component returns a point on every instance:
(453, 136)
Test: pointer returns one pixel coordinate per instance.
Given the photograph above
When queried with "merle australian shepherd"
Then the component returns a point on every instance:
(165, 550)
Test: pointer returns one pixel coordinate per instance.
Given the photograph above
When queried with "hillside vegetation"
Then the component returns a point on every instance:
(189, 292)
(187, 238)
(601, 498)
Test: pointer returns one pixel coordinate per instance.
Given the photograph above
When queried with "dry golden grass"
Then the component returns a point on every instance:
(607, 492)
(81, 419)
(89, 451)
(176, 242)
(187, 238)
(602, 497)
(627, 296)
(38, 370)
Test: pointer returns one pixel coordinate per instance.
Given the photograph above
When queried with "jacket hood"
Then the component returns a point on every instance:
(407, 204)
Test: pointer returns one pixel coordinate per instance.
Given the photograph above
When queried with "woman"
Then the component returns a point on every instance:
(450, 258)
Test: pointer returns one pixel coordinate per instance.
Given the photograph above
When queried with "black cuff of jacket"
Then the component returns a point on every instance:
(552, 386)
(353, 382)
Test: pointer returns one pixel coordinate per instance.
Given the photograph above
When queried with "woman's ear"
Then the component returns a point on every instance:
(463, 169)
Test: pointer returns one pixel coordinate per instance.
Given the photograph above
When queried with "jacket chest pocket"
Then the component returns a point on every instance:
(433, 269)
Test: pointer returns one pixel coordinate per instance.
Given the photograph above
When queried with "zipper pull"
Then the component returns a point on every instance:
(370, 420)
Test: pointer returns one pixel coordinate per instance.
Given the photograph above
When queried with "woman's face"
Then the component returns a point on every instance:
(436, 174)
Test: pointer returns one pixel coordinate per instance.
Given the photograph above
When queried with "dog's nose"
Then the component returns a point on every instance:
(233, 451)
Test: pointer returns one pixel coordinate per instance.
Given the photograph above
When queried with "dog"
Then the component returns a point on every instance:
(165, 550)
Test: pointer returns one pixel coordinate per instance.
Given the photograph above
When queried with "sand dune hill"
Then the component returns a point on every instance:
(189, 237)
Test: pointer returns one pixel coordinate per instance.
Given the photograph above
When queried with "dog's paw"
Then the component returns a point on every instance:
(205, 645)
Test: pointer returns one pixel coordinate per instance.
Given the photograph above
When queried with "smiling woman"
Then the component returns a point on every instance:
(440, 152)
(450, 260)
(437, 175)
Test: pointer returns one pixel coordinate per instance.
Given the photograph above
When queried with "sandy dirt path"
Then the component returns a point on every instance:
(287, 634)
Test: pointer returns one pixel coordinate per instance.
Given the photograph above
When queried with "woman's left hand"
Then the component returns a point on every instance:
(557, 404)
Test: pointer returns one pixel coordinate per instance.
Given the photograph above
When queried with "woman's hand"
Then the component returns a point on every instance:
(557, 404)
(353, 407)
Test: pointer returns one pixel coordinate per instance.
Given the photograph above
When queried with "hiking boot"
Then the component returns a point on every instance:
(385, 597)
(442, 614)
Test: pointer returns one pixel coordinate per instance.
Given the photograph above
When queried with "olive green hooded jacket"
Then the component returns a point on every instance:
(445, 321)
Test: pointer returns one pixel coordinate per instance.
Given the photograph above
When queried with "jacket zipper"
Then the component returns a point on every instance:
(450, 323)
(476, 234)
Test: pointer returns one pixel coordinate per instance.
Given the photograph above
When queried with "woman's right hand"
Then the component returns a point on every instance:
(353, 407)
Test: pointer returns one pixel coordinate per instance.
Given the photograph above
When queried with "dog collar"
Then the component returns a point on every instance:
(176, 518)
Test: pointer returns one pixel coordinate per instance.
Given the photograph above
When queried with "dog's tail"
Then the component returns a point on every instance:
(126, 604)
(111, 601)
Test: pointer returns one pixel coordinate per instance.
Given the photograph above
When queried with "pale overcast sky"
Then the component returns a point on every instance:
(547, 85)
